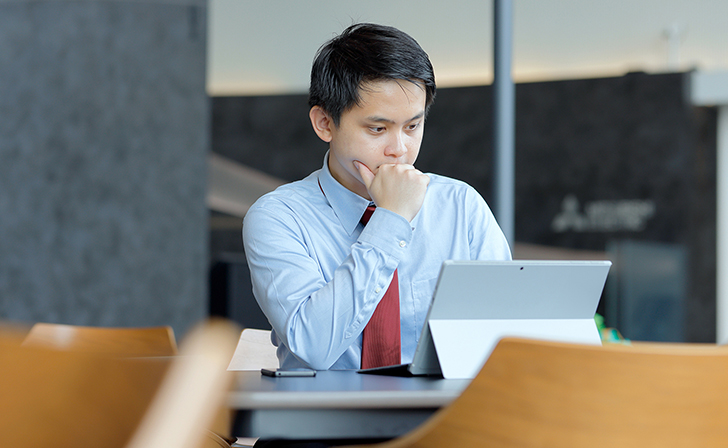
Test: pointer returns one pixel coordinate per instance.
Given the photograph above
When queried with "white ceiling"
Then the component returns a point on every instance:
(261, 47)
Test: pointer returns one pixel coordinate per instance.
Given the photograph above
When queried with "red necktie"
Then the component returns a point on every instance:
(381, 343)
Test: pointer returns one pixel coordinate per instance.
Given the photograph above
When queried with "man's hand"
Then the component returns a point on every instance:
(399, 188)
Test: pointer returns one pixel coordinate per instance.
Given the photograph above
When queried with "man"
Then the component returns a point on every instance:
(319, 271)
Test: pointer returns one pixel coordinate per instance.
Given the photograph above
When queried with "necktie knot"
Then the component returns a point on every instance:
(367, 214)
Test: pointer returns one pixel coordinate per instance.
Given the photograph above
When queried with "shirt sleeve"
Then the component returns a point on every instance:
(315, 317)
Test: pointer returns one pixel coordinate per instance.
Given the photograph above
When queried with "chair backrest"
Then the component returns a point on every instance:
(72, 399)
(124, 342)
(193, 391)
(255, 351)
(548, 394)
(80, 399)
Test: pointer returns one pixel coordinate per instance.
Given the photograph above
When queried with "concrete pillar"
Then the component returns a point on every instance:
(721, 271)
(711, 89)
(103, 144)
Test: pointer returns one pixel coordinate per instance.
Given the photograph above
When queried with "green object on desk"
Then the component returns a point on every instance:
(607, 334)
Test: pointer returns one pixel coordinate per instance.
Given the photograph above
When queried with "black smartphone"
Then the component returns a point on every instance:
(288, 373)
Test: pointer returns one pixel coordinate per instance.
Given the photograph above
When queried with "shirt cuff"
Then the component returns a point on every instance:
(387, 231)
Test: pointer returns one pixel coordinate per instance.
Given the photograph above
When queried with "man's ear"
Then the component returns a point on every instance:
(322, 123)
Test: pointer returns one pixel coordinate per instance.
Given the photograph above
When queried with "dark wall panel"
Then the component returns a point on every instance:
(104, 133)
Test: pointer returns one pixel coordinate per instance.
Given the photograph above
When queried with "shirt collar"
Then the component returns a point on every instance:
(347, 205)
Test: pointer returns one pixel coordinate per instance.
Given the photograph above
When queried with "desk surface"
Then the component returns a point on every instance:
(336, 404)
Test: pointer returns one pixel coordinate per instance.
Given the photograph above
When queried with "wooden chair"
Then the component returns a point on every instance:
(58, 398)
(547, 394)
(122, 342)
(193, 390)
(125, 342)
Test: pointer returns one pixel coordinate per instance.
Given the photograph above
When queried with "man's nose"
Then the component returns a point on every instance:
(397, 146)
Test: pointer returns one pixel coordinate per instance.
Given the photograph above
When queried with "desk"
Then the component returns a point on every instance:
(336, 404)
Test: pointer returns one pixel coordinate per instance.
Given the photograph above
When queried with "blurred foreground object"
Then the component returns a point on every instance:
(81, 399)
(549, 394)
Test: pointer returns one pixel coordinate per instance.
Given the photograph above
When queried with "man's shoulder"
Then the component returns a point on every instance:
(289, 195)
(438, 181)
(455, 192)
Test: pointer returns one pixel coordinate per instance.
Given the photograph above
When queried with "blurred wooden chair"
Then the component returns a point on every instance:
(193, 390)
(125, 342)
(85, 399)
(122, 342)
(547, 394)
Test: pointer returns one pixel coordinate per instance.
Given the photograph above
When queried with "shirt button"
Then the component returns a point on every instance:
(377, 290)
(402, 243)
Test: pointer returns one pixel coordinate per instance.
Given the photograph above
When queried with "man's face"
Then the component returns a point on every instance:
(387, 127)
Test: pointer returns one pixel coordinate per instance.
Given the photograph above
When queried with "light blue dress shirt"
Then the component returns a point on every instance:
(318, 273)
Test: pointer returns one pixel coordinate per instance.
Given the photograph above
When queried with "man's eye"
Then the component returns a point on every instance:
(377, 130)
(413, 126)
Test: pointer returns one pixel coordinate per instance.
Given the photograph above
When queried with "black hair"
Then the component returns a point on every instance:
(366, 52)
